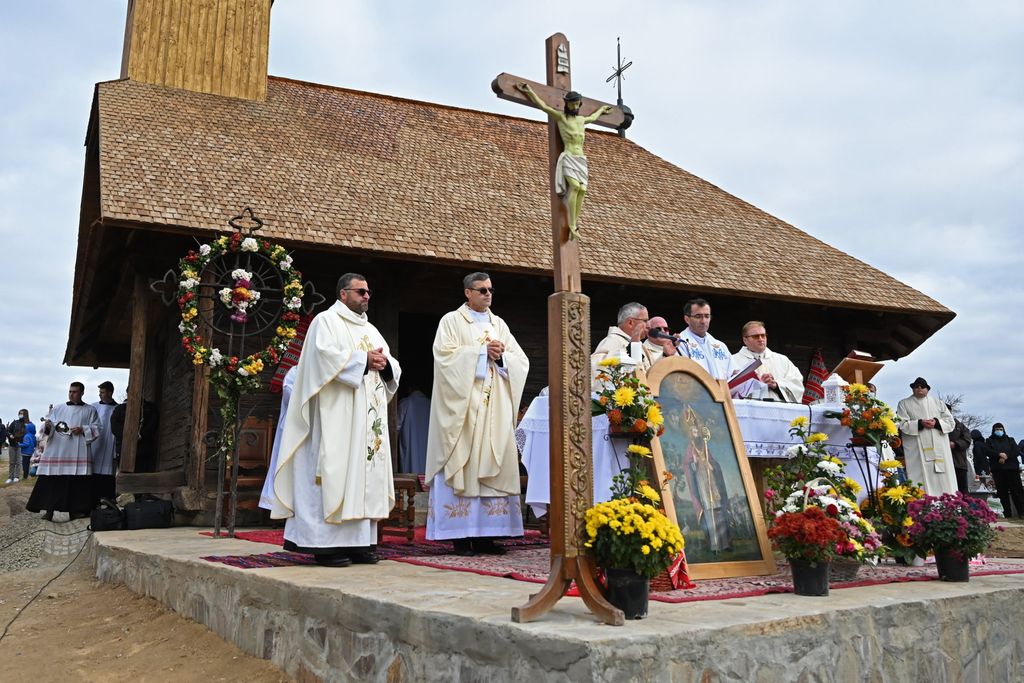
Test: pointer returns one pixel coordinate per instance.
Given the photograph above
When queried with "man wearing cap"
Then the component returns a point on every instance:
(925, 424)
(571, 168)
(104, 469)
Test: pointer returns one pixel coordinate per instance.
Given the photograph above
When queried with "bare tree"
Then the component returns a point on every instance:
(957, 403)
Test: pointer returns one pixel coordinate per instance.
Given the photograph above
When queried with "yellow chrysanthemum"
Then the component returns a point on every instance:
(817, 437)
(897, 493)
(858, 389)
(800, 421)
(648, 493)
(654, 416)
(908, 521)
(852, 484)
(646, 549)
(609, 362)
(623, 396)
(889, 464)
(637, 449)
(890, 427)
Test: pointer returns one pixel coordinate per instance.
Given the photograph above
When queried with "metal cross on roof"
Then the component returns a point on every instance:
(617, 75)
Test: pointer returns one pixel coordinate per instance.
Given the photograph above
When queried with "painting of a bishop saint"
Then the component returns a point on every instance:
(705, 483)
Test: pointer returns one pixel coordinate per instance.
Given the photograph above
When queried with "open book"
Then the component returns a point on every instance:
(746, 374)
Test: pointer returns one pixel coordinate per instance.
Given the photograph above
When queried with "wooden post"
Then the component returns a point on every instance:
(193, 497)
(569, 379)
(136, 375)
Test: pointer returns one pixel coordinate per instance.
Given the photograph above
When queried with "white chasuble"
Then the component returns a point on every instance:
(929, 460)
(334, 474)
(788, 377)
(471, 447)
(67, 453)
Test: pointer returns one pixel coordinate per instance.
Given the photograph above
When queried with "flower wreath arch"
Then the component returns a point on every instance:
(240, 299)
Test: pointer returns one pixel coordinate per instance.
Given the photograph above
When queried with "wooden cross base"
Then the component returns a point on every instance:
(572, 489)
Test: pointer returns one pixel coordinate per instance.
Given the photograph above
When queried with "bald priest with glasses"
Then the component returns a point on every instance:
(778, 378)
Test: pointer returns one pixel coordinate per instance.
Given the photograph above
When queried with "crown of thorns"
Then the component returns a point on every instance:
(572, 96)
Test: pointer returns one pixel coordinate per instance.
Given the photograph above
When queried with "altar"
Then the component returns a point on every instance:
(763, 424)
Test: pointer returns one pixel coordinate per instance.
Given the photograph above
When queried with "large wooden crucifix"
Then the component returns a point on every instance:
(569, 373)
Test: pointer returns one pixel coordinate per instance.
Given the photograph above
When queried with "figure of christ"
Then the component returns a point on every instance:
(571, 169)
(707, 490)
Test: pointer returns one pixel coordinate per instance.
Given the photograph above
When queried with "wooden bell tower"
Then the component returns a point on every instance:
(211, 46)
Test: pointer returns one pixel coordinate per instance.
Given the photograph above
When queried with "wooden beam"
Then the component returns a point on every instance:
(195, 461)
(150, 482)
(136, 376)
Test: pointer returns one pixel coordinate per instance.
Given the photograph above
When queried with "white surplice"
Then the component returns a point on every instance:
(102, 449)
(472, 461)
(929, 459)
(66, 453)
(334, 478)
(789, 378)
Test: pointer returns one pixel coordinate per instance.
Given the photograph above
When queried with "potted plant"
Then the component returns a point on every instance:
(953, 526)
(808, 538)
(887, 507)
(836, 494)
(628, 403)
(633, 542)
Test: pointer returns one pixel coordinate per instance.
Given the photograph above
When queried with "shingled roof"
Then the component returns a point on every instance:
(361, 171)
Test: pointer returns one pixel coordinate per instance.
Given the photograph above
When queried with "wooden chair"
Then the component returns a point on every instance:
(402, 521)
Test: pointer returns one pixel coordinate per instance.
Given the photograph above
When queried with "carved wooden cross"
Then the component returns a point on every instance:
(569, 376)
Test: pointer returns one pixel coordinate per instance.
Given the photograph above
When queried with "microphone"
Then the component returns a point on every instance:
(658, 334)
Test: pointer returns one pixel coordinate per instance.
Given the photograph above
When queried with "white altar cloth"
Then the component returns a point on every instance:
(763, 424)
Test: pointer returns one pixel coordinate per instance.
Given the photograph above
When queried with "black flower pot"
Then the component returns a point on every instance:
(628, 591)
(952, 567)
(809, 579)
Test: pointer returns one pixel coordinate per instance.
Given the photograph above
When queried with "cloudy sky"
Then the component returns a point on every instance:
(893, 131)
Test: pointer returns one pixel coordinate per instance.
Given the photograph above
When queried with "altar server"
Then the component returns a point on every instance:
(472, 460)
(64, 483)
(104, 465)
(334, 479)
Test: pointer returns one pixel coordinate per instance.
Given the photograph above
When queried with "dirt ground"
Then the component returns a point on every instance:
(79, 629)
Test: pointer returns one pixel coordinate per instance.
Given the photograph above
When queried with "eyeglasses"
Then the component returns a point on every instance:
(483, 290)
(755, 336)
(662, 329)
(359, 290)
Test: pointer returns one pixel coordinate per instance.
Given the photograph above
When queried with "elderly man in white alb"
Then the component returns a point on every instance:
(697, 344)
(472, 460)
(630, 326)
(925, 424)
(779, 378)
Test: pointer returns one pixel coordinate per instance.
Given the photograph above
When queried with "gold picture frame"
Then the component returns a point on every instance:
(711, 494)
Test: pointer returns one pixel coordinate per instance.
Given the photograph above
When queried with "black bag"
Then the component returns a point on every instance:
(149, 512)
(106, 517)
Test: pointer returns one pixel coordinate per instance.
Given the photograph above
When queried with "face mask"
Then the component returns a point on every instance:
(1000, 432)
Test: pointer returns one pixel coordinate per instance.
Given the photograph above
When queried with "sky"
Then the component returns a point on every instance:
(893, 131)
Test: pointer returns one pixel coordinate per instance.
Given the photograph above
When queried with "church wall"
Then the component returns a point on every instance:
(173, 395)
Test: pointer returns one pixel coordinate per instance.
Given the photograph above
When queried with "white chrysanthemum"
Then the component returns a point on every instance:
(794, 451)
(241, 274)
(181, 327)
(225, 295)
(286, 263)
(255, 295)
(243, 372)
(250, 244)
(215, 358)
(189, 283)
(294, 302)
(205, 250)
(829, 467)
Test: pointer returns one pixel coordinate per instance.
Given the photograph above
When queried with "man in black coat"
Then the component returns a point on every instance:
(1003, 458)
(959, 442)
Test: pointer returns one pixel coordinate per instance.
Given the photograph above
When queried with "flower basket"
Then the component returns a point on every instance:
(844, 570)
(627, 402)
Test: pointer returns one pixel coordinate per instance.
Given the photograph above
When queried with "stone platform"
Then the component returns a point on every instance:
(399, 622)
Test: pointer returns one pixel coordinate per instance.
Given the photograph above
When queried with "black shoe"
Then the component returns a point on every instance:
(363, 557)
(332, 560)
(487, 546)
(463, 547)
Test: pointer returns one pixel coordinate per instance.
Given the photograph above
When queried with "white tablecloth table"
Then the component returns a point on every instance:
(763, 424)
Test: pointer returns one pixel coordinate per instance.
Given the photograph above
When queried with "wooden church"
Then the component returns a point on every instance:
(413, 195)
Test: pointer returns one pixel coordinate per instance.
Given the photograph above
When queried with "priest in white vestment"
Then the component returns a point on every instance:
(630, 326)
(779, 379)
(472, 461)
(64, 482)
(925, 424)
(697, 344)
(334, 479)
(104, 467)
(267, 494)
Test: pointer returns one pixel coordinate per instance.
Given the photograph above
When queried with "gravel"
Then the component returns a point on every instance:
(23, 551)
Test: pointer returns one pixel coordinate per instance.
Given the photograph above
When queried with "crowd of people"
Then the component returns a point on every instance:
(71, 453)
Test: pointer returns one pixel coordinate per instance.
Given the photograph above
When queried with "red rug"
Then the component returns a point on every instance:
(528, 559)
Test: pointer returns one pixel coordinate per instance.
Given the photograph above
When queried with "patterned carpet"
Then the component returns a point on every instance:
(528, 559)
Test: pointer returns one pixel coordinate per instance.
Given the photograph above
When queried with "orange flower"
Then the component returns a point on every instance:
(615, 416)
(603, 400)
(640, 425)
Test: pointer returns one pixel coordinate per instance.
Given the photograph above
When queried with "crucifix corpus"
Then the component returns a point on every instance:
(569, 376)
